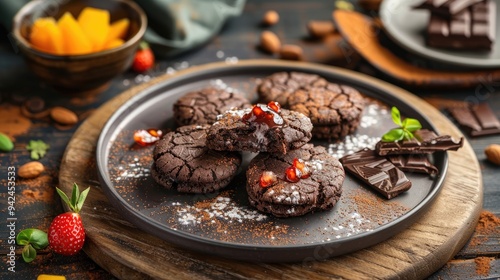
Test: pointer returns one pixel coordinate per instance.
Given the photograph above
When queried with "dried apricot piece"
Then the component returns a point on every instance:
(74, 40)
(113, 44)
(118, 29)
(46, 36)
(95, 25)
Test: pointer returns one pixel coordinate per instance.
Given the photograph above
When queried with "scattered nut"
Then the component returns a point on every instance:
(370, 5)
(34, 104)
(493, 153)
(291, 52)
(30, 170)
(270, 18)
(63, 116)
(320, 28)
(270, 42)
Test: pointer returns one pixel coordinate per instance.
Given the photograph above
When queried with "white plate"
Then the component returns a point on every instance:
(406, 26)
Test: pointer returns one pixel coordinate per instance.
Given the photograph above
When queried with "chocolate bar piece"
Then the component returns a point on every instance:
(471, 29)
(376, 171)
(414, 163)
(425, 142)
(446, 8)
(478, 119)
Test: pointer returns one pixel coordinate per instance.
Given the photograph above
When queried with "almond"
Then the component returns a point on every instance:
(63, 116)
(30, 170)
(270, 42)
(291, 52)
(320, 28)
(493, 153)
(270, 18)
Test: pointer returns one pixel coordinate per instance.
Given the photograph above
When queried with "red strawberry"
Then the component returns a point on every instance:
(144, 58)
(66, 232)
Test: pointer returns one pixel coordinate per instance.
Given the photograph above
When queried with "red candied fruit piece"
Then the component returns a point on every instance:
(292, 174)
(275, 106)
(146, 137)
(301, 165)
(264, 114)
(267, 179)
(257, 111)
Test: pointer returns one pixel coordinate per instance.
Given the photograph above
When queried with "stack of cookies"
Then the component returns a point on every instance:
(289, 176)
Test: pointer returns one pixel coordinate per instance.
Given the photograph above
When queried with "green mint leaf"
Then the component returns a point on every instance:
(82, 198)
(393, 135)
(29, 253)
(411, 125)
(38, 149)
(396, 116)
(6, 144)
(408, 135)
(32, 236)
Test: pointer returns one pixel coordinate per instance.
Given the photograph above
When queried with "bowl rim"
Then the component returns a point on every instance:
(26, 45)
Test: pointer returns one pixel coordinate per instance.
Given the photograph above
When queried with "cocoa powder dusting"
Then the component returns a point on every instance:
(12, 121)
(40, 189)
(487, 225)
(377, 209)
(483, 265)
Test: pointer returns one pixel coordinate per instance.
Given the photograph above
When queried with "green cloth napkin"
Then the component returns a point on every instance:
(179, 25)
(174, 26)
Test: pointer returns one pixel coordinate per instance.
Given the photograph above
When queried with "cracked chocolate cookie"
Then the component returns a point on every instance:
(277, 87)
(263, 128)
(335, 110)
(204, 105)
(302, 181)
(183, 162)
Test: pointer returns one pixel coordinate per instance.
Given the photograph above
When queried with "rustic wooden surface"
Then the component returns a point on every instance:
(37, 203)
(126, 251)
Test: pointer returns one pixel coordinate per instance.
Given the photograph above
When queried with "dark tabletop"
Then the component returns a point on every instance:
(37, 204)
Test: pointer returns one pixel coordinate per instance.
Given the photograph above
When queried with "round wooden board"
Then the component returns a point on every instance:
(129, 253)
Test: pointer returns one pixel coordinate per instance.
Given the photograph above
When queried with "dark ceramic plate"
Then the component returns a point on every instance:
(223, 223)
(406, 26)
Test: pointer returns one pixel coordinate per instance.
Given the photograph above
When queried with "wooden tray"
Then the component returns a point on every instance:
(128, 252)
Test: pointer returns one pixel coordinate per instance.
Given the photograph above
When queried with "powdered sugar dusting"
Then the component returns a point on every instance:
(222, 208)
(133, 170)
(371, 114)
(351, 144)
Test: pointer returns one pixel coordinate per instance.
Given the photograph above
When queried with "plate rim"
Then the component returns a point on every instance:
(448, 57)
(367, 82)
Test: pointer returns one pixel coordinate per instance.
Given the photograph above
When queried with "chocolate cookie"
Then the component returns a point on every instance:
(279, 86)
(204, 105)
(260, 129)
(183, 162)
(335, 110)
(304, 180)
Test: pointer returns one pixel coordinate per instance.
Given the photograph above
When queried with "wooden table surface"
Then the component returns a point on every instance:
(37, 204)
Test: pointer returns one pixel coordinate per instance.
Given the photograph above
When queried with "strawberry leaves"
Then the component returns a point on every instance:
(77, 198)
(32, 239)
(405, 129)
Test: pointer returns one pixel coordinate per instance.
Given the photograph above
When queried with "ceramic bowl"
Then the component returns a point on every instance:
(79, 73)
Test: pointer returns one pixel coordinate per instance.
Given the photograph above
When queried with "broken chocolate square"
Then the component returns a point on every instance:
(471, 29)
(425, 142)
(446, 8)
(414, 163)
(376, 171)
(478, 120)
